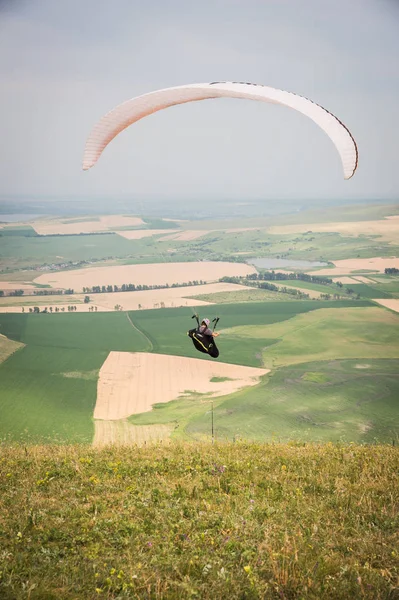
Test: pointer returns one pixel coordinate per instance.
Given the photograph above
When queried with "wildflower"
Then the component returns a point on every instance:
(247, 568)
(283, 468)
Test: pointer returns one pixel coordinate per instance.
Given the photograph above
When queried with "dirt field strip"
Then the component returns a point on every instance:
(388, 303)
(104, 223)
(139, 234)
(183, 236)
(387, 228)
(16, 285)
(8, 347)
(151, 274)
(348, 266)
(123, 433)
(131, 382)
(193, 234)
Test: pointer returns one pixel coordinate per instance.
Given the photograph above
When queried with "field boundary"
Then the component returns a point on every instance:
(141, 332)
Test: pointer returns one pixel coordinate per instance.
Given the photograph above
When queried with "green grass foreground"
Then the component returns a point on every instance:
(237, 521)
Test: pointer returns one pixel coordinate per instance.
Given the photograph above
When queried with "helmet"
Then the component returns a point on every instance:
(206, 321)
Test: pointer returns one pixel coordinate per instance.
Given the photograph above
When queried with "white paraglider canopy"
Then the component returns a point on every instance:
(137, 108)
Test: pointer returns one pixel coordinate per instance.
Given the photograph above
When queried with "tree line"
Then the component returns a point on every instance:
(50, 309)
(277, 276)
(131, 287)
(258, 280)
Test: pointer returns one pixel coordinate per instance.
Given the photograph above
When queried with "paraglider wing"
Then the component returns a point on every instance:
(137, 108)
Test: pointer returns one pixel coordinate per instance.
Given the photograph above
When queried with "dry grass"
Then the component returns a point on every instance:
(123, 433)
(237, 521)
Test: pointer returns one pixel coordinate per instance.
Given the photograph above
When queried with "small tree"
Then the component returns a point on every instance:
(87, 299)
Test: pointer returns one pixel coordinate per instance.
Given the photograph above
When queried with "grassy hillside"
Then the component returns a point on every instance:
(340, 400)
(238, 521)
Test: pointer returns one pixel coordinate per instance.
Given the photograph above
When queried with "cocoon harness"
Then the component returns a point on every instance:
(204, 343)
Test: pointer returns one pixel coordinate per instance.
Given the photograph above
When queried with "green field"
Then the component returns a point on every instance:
(246, 295)
(48, 388)
(18, 230)
(298, 246)
(315, 287)
(83, 331)
(18, 252)
(166, 327)
(314, 214)
(322, 401)
(372, 291)
(327, 334)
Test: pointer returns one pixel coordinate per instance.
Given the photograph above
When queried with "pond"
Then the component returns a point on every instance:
(283, 263)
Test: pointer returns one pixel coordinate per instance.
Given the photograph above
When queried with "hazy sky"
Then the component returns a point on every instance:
(64, 63)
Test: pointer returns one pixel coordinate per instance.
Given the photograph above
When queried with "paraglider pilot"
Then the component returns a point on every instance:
(203, 338)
